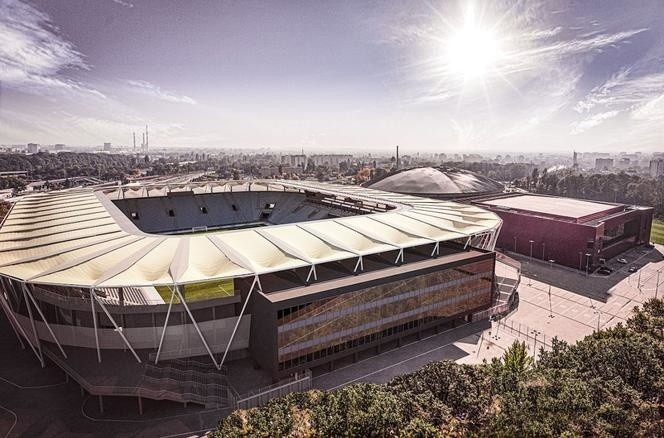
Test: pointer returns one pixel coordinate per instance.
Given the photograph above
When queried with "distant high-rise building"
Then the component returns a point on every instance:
(59, 147)
(295, 160)
(657, 168)
(575, 161)
(33, 148)
(108, 147)
(603, 163)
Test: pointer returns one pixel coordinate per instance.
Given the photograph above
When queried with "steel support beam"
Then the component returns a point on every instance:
(255, 283)
(163, 333)
(17, 325)
(94, 322)
(436, 249)
(117, 328)
(198, 330)
(48, 326)
(34, 329)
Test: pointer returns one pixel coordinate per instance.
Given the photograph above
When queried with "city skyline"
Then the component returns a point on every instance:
(437, 77)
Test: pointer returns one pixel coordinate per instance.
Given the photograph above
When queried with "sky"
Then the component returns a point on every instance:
(431, 76)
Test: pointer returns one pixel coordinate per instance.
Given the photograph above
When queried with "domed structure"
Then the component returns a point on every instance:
(437, 182)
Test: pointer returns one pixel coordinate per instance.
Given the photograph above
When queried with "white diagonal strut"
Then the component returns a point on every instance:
(117, 328)
(255, 283)
(163, 333)
(94, 322)
(12, 317)
(48, 326)
(198, 330)
(34, 329)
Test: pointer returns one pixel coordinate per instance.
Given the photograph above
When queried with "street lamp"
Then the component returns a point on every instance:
(550, 306)
(599, 316)
(587, 262)
(536, 333)
(531, 248)
(657, 284)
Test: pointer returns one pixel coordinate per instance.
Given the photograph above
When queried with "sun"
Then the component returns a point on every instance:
(472, 50)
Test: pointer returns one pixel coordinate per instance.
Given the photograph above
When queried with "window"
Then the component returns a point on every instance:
(171, 213)
(134, 215)
(203, 209)
(269, 206)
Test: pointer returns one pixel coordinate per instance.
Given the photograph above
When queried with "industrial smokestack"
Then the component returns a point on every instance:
(397, 157)
(134, 135)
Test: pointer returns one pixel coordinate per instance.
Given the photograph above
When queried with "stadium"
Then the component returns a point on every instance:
(153, 291)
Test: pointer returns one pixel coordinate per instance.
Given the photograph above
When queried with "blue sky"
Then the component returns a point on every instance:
(445, 76)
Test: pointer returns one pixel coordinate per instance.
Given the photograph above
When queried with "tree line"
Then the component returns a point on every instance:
(612, 187)
(608, 187)
(611, 383)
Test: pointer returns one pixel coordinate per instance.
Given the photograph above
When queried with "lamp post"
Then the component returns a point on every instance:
(531, 248)
(599, 316)
(535, 333)
(587, 262)
(657, 284)
(550, 306)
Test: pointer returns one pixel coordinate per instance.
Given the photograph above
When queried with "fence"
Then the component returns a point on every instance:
(533, 337)
(299, 382)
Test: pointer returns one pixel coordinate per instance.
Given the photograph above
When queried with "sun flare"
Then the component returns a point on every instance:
(472, 50)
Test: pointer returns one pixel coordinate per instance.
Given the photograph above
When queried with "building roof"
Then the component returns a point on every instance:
(437, 182)
(79, 238)
(567, 208)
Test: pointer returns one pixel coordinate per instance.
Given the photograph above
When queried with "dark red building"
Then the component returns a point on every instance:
(572, 232)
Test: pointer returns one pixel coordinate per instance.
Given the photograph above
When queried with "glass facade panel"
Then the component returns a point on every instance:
(330, 325)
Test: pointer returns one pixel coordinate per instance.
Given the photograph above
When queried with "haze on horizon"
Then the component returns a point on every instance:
(490, 76)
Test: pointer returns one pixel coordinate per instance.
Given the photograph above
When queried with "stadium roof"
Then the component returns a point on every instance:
(447, 182)
(80, 238)
(574, 209)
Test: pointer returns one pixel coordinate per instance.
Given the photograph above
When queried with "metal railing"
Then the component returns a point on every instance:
(168, 387)
(299, 382)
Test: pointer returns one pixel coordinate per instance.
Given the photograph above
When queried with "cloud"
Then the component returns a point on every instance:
(152, 90)
(592, 121)
(123, 3)
(528, 45)
(33, 55)
(623, 91)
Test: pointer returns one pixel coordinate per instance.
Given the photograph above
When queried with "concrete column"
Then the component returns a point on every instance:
(101, 404)
(140, 405)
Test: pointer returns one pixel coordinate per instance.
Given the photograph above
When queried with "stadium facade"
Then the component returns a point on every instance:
(111, 283)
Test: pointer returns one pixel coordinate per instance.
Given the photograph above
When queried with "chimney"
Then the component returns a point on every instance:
(397, 157)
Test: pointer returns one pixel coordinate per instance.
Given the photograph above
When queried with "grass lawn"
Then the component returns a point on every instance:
(200, 291)
(657, 232)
